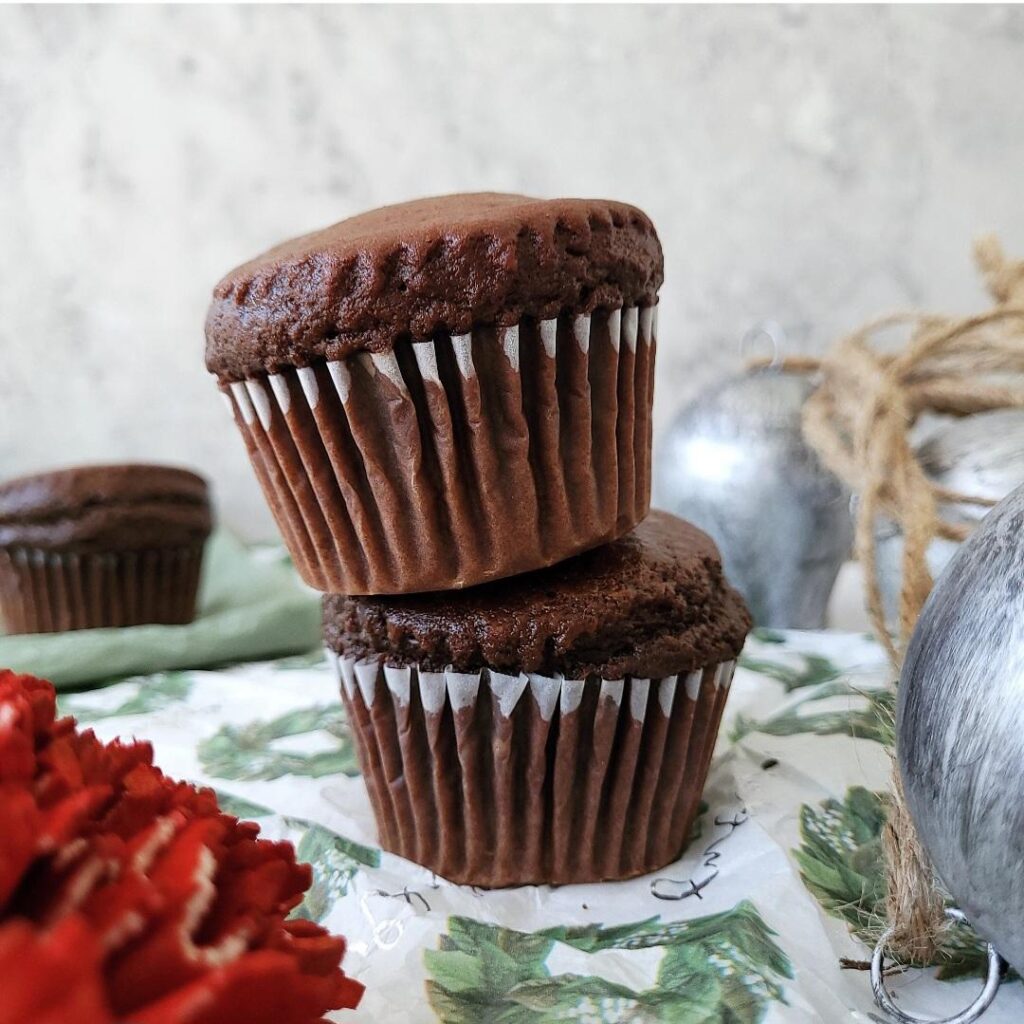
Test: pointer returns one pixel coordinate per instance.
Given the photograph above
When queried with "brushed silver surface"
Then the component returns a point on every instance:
(735, 463)
(960, 727)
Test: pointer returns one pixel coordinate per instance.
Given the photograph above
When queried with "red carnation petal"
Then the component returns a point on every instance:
(19, 837)
(120, 912)
(317, 950)
(262, 988)
(139, 893)
(51, 978)
(17, 738)
(64, 820)
(37, 698)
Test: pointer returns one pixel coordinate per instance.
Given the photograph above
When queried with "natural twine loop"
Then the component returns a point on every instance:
(859, 420)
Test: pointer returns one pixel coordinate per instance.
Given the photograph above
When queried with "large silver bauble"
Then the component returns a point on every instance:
(981, 455)
(960, 727)
(735, 462)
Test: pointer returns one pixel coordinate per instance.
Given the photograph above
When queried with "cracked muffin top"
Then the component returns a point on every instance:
(417, 269)
(650, 605)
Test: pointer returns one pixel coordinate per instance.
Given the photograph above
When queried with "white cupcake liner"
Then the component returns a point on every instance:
(494, 780)
(446, 463)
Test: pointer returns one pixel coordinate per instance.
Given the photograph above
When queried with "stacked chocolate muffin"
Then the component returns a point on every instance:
(448, 406)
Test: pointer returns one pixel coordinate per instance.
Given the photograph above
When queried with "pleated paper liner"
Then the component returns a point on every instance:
(49, 592)
(496, 780)
(446, 463)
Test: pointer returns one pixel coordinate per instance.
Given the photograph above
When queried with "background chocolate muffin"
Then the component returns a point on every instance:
(554, 727)
(447, 391)
(91, 546)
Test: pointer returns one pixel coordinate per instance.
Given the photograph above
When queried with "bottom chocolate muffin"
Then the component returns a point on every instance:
(101, 546)
(555, 727)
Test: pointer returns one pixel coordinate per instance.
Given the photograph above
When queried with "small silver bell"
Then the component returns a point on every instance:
(980, 455)
(735, 463)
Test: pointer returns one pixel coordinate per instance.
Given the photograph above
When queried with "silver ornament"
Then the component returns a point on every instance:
(981, 455)
(960, 728)
(735, 463)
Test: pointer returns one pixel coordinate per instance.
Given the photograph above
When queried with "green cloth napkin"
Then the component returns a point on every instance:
(251, 605)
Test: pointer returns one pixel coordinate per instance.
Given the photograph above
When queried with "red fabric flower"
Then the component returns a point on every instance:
(127, 895)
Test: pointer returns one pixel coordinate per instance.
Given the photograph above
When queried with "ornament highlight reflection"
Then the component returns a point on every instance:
(735, 463)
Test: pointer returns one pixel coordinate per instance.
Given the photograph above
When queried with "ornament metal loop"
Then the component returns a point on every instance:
(996, 968)
(769, 329)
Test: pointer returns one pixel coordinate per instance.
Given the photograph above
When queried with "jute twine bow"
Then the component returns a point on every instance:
(859, 420)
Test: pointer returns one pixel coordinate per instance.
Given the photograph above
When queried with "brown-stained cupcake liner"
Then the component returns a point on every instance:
(49, 592)
(496, 780)
(446, 463)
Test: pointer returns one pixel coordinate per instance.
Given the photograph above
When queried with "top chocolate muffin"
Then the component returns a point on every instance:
(412, 270)
(447, 391)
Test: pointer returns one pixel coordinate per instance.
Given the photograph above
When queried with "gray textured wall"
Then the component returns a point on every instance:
(815, 165)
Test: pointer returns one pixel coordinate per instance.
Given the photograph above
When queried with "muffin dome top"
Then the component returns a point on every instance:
(107, 506)
(432, 265)
(652, 604)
